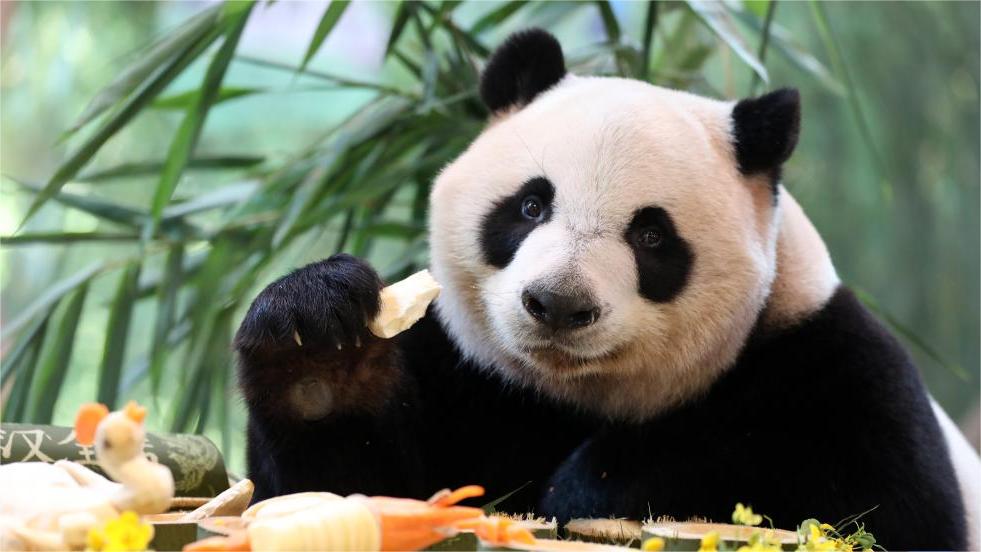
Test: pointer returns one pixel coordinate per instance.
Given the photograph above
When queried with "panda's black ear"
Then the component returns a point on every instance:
(527, 64)
(765, 130)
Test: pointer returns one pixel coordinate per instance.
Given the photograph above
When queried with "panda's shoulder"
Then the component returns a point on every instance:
(842, 339)
(839, 355)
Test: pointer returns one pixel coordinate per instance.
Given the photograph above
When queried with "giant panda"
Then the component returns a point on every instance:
(636, 318)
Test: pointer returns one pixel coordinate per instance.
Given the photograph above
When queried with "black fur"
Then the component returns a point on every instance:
(766, 131)
(504, 227)
(663, 270)
(527, 64)
(826, 419)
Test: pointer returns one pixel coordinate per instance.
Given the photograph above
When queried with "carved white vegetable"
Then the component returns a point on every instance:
(404, 303)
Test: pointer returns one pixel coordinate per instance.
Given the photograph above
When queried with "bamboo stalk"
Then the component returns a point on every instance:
(622, 532)
(687, 535)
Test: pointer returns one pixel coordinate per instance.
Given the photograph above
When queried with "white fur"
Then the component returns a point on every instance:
(967, 465)
(641, 146)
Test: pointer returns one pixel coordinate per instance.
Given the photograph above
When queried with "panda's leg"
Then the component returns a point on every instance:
(967, 465)
(330, 406)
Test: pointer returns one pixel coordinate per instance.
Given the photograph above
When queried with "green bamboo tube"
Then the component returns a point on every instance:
(219, 526)
(622, 532)
(170, 532)
(464, 541)
(687, 535)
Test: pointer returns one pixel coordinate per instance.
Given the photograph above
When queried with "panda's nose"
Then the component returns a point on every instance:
(559, 311)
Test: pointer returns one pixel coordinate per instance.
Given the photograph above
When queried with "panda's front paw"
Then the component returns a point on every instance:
(322, 306)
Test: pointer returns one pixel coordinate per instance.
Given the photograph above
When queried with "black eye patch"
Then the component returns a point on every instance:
(663, 258)
(506, 225)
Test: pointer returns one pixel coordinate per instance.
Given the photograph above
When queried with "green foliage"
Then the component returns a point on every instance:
(183, 260)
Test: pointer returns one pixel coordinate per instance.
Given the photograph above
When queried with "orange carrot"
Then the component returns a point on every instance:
(462, 493)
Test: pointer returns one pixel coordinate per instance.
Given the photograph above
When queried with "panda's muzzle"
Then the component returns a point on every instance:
(559, 311)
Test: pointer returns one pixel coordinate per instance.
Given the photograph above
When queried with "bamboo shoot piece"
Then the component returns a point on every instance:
(623, 532)
(232, 502)
(687, 535)
(403, 304)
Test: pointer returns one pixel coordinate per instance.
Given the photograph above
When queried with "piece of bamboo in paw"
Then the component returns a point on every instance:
(403, 304)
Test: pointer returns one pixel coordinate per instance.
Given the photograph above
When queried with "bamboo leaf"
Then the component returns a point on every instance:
(128, 170)
(205, 312)
(81, 156)
(650, 24)
(183, 144)
(52, 294)
(771, 9)
(22, 365)
(53, 366)
(217, 361)
(785, 45)
(716, 17)
(117, 334)
(167, 292)
(13, 360)
(102, 209)
(398, 25)
(910, 335)
(67, 238)
(231, 194)
(188, 98)
(131, 77)
(610, 23)
(330, 18)
(497, 16)
(491, 506)
(838, 62)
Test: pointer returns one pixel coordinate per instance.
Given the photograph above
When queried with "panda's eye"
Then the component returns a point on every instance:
(531, 208)
(649, 237)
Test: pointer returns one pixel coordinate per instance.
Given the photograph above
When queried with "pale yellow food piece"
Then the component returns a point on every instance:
(404, 303)
(232, 502)
(288, 504)
(339, 525)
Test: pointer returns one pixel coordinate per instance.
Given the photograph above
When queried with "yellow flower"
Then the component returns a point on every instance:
(710, 542)
(125, 533)
(743, 515)
(816, 532)
(761, 541)
(95, 540)
(653, 544)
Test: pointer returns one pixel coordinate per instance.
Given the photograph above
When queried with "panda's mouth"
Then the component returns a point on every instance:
(559, 358)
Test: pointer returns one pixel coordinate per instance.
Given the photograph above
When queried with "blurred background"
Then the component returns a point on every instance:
(162, 162)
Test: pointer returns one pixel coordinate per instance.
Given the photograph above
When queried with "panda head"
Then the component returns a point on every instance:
(608, 241)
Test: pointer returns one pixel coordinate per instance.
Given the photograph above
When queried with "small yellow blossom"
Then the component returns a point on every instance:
(743, 515)
(653, 544)
(125, 533)
(817, 532)
(710, 542)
